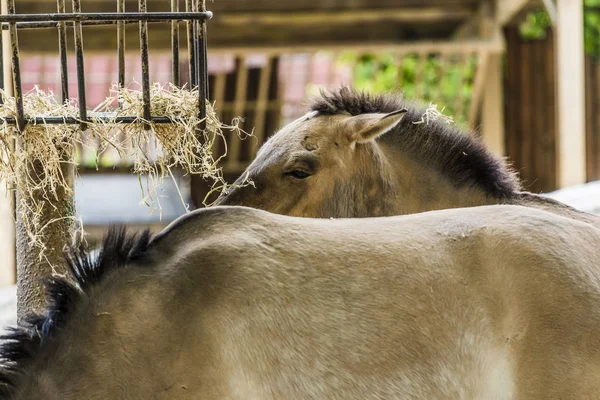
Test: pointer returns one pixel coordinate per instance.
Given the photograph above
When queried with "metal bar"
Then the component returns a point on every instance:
(121, 44)
(2, 86)
(145, 68)
(196, 42)
(189, 6)
(54, 24)
(80, 66)
(175, 45)
(128, 16)
(16, 68)
(62, 49)
(106, 118)
(202, 67)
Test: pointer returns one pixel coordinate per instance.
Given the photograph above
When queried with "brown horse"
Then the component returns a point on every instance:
(357, 155)
(493, 302)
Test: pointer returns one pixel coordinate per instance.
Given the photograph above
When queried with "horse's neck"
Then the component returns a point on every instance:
(419, 188)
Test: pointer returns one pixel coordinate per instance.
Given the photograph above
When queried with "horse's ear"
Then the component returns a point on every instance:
(365, 127)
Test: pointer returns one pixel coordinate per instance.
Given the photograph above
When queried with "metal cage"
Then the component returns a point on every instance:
(30, 271)
(195, 17)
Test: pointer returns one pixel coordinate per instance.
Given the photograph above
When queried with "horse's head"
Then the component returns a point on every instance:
(357, 155)
(320, 166)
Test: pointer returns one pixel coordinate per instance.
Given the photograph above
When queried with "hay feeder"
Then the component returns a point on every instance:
(38, 134)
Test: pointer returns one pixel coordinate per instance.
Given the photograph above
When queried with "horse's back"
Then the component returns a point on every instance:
(498, 302)
(456, 303)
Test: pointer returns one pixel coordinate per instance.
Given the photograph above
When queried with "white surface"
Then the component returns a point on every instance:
(584, 197)
(8, 307)
(104, 198)
(570, 81)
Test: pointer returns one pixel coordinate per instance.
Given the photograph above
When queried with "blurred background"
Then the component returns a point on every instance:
(522, 74)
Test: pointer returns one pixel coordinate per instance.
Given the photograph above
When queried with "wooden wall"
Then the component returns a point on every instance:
(530, 111)
(592, 100)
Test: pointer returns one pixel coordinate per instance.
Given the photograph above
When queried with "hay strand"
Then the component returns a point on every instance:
(432, 114)
(155, 152)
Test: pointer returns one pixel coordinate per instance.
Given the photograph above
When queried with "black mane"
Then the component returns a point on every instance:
(21, 345)
(462, 158)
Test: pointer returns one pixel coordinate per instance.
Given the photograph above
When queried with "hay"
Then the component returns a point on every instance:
(155, 152)
(432, 114)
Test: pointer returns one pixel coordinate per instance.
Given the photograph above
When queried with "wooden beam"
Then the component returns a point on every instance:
(492, 112)
(239, 6)
(239, 107)
(570, 113)
(494, 45)
(508, 9)
(479, 86)
(459, 100)
(551, 9)
(421, 14)
(278, 26)
(219, 92)
(104, 38)
(260, 113)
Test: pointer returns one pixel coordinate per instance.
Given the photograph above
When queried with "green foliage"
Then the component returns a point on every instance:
(445, 81)
(449, 82)
(536, 25)
(591, 24)
(538, 22)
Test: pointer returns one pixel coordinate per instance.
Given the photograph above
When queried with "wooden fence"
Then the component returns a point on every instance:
(254, 94)
(530, 111)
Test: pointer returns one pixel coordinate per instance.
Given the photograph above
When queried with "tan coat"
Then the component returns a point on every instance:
(495, 302)
(358, 155)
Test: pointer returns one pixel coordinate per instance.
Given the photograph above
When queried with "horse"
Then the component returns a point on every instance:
(229, 302)
(356, 154)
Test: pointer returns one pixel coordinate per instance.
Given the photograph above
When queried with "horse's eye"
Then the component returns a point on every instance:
(298, 174)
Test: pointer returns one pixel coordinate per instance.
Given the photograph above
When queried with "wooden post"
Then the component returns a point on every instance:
(31, 270)
(239, 107)
(55, 228)
(492, 113)
(571, 168)
(479, 86)
(7, 224)
(508, 9)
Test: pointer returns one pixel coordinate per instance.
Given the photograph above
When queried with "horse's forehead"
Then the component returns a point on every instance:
(298, 134)
(312, 125)
(278, 147)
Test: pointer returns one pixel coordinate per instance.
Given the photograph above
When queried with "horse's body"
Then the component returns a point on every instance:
(356, 155)
(497, 302)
